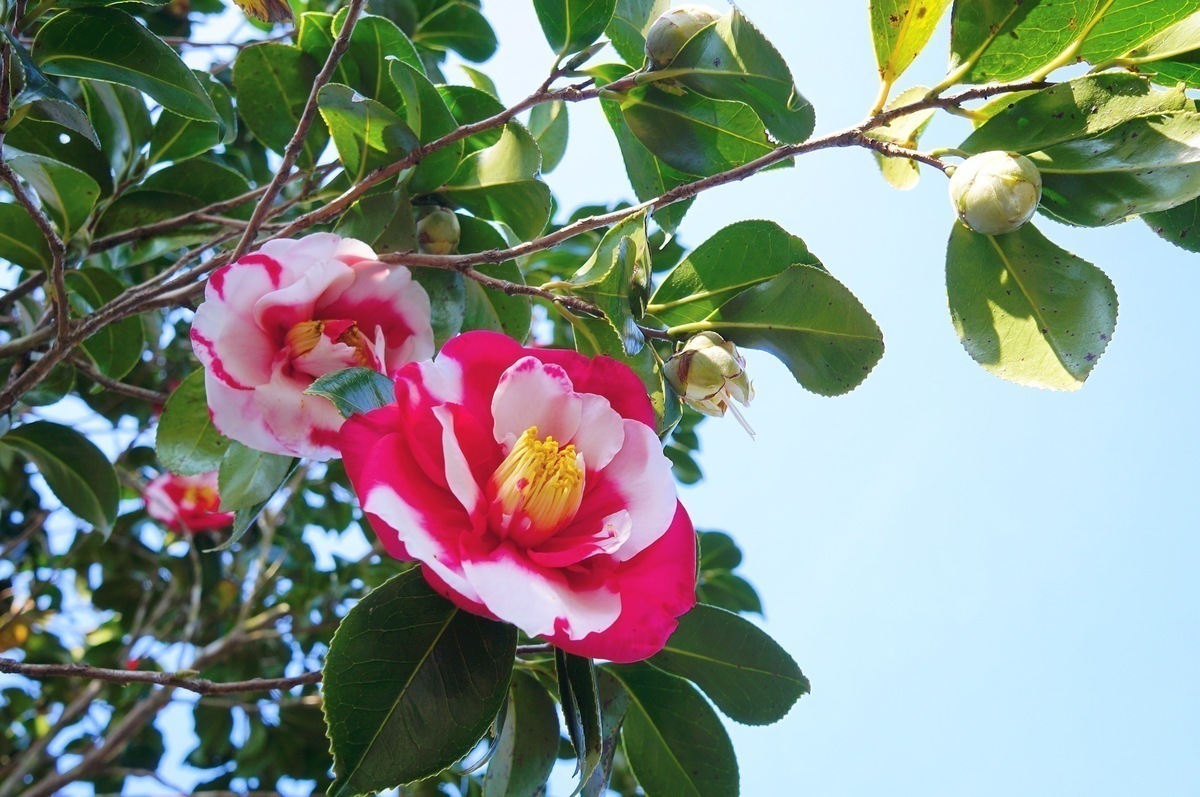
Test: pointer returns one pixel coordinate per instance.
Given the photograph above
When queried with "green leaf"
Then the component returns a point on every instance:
(807, 319)
(614, 702)
(571, 25)
(1179, 39)
(1124, 24)
(675, 743)
(736, 258)
(76, 471)
(694, 134)
(122, 124)
(745, 672)
(498, 183)
(648, 175)
(427, 116)
(480, 81)
(367, 135)
(616, 278)
(315, 36)
(901, 29)
(903, 173)
(1026, 310)
(67, 193)
(458, 26)
(272, 82)
(248, 477)
(1145, 165)
(997, 40)
(354, 390)
(548, 124)
(630, 22)
(36, 90)
(173, 191)
(487, 308)
(1179, 225)
(527, 742)
(411, 683)
(1076, 109)
(595, 336)
(729, 591)
(110, 45)
(732, 60)
(448, 298)
(374, 41)
(581, 710)
(718, 551)
(187, 442)
(177, 138)
(21, 242)
(469, 105)
(116, 348)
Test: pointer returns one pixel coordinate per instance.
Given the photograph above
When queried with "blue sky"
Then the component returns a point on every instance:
(992, 588)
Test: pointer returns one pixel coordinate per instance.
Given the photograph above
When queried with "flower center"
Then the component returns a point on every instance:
(198, 499)
(318, 347)
(537, 489)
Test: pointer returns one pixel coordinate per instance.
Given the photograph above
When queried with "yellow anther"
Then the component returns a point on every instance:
(537, 489)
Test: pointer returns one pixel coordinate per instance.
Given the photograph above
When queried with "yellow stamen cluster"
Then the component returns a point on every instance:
(195, 497)
(539, 481)
(304, 337)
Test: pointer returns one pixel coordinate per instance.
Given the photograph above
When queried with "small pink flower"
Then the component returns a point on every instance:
(532, 487)
(186, 503)
(276, 319)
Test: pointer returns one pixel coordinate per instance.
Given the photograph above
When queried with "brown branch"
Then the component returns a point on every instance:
(133, 391)
(292, 151)
(22, 290)
(200, 686)
(891, 150)
(58, 251)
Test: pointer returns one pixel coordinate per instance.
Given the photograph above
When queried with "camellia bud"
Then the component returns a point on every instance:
(995, 192)
(672, 30)
(709, 374)
(438, 232)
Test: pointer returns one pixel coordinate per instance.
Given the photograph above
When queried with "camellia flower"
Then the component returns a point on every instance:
(277, 319)
(532, 487)
(709, 373)
(186, 503)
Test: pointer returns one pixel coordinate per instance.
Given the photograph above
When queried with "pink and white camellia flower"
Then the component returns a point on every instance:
(186, 503)
(532, 488)
(278, 318)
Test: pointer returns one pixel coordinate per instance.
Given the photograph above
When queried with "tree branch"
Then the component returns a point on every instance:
(58, 251)
(200, 686)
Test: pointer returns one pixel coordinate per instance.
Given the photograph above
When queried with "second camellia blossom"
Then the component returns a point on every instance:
(186, 503)
(295, 310)
(532, 487)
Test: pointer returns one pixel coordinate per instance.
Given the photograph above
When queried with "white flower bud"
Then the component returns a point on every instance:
(438, 232)
(672, 30)
(995, 192)
(708, 374)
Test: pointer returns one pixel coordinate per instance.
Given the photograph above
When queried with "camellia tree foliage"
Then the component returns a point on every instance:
(230, 282)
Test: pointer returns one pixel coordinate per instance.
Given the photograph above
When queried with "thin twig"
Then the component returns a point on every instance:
(133, 391)
(21, 290)
(58, 251)
(200, 686)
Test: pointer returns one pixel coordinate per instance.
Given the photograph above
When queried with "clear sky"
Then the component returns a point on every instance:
(993, 588)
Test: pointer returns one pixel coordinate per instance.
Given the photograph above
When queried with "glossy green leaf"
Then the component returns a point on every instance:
(21, 242)
(77, 472)
(996, 40)
(1145, 165)
(595, 336)
(35, 89)
(187, 442)
(549, 125)
(903, 174)
(616, 278)
(354, 390)
(527, 743)
(122, 124)
(1179, 225)
(427, 116)
(736, 258)
(480, 81)
(807, 319)
(614, 702)
(67, 193)
(742, 670)
(458, 26)
(367, 135)
(272, 82)
(1179, 39)
(627, 29)
(1184, 69)
(729, 591)
(373, 43)
(248, 477)
(177, 138)
(1027, 310)
(411, 683)
(487, 308)
(571, 25)
(901, 29)
(732, 60)
(1125, 24)
(674, 742)
(580, 701)
(447, 293)
(694, 134)
(126, 53)
(116, 348)
(499, 183)
(175, 190)
(1076, 109)
(469, 105)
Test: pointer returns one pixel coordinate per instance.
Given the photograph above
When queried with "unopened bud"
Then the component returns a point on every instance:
(672, 30)
(438, 232)
(709, 374)
(995, 192)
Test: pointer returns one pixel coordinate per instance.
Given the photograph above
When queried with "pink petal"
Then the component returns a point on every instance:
(531, 393)
(601, 432)
(385, 299)
(606, 377)
(231, 346)
(237, 416)
(304, 425)
(474, 361)
(278, 311)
